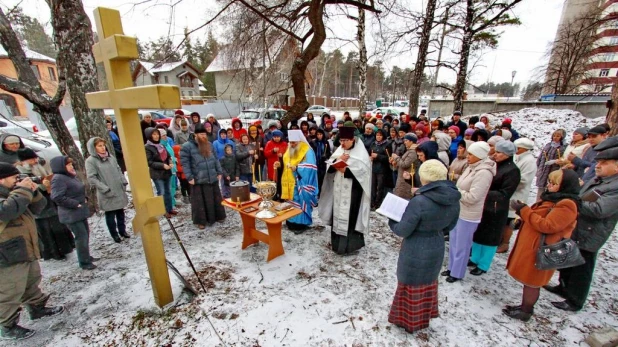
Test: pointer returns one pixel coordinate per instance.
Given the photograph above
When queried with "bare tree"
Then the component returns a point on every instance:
(480, 20)
(362, 63)
(571, 53)
(73, 36)
(421, 57)
(303, 22)
(28, 86)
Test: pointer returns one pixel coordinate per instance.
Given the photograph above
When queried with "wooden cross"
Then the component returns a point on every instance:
(115, 51)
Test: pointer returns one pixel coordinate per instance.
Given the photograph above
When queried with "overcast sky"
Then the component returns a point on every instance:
(520, 49)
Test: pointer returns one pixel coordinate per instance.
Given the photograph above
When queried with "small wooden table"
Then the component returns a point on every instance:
(252, 236)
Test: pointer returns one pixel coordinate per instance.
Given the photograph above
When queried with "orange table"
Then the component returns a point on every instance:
(252, 236)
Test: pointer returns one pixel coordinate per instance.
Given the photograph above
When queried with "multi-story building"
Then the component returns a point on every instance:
(601, 69)
(44, 69)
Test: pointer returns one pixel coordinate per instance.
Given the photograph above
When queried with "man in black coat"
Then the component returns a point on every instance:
(456, 121)
(598, 215)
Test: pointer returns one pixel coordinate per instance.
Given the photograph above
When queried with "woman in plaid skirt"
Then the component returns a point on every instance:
(432, 211)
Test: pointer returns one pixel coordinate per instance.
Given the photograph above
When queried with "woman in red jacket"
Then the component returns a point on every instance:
(273, 152)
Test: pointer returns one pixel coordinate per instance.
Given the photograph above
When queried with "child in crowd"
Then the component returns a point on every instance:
(230, 170)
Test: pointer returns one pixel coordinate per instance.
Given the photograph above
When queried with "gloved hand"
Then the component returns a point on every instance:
(517, 205)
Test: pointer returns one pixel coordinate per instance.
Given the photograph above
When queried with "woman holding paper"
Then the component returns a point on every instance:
(432, 211)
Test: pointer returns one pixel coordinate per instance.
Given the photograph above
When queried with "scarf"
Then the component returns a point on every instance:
(569, 189)
(103, 156)
(162, 151)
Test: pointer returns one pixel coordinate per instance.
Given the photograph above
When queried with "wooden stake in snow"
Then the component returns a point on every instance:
(115, 51)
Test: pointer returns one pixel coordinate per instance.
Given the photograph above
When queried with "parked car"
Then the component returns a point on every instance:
(318, 110)
(44, 147)
(394, 112)
(250, 116)
(370, 106)
(20, 128)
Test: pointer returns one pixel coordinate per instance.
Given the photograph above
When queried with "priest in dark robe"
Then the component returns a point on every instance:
(346, 191)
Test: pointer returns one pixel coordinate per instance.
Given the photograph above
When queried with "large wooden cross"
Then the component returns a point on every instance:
(115, 51)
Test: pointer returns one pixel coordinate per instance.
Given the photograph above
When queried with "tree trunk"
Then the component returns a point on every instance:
(73, 35)
(612, 115)
(299, 67)
(439, 60)
(362, 64)
(326, 59)
(421, 58)
(466, 44)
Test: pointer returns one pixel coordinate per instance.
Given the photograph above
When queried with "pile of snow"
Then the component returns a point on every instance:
(307, 297)
(538, 124)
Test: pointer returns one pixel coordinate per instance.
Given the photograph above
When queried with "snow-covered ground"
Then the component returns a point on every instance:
(307, 297)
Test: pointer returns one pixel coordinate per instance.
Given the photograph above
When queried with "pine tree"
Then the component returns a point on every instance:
(31, 33)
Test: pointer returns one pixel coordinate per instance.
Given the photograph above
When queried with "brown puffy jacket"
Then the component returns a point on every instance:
(17, 209)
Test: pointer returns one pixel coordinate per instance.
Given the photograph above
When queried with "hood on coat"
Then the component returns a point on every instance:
(5, 135)
(59, 165)
(430, 149)
(234, 121)
(219, 136)
(443, 140)
(148, 132)
(443, 193)
(90, 147)
(486, 164)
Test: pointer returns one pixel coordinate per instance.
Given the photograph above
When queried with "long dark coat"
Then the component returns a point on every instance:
(432, 212)
(496, 207)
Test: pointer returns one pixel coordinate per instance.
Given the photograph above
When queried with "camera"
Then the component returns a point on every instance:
(35, 179)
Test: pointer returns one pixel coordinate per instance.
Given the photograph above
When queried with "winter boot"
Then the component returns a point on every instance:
(15, 332)
(506, 239)
(37, 312)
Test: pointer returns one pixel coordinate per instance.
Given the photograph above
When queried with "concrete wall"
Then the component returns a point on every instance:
(444, 108)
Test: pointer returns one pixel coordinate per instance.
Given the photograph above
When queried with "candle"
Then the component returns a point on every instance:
(259, 174)
(276, 177)
(253, 173)
(558, 152)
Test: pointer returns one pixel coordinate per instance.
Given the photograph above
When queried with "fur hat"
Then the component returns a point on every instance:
(432, 170)
(26, 153)
(479, 149)
(524, 143)
(506, 147)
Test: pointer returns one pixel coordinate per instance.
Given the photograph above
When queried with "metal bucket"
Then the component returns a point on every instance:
(240, 191)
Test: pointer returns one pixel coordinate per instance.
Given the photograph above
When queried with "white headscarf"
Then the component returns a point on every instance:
(296, 136)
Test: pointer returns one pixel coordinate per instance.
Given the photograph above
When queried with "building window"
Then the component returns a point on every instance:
(166, 80)
(613, 41)
(604, 73)
(35, 69)
(52, 73)
(186, 82)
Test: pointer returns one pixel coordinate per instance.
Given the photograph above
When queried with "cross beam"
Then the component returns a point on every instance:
(115, 51)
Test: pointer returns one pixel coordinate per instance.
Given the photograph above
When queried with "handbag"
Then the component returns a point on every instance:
(13, 252)
(563, 254)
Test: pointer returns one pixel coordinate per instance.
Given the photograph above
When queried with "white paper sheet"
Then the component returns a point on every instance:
(393, 207)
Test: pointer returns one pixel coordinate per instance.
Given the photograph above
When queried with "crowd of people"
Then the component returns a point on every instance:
(467, 184)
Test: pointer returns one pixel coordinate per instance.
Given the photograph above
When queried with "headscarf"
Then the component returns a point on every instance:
(569, 189)
(162, 151)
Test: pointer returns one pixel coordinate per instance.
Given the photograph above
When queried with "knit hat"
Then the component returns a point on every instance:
(7, 170)
(494, 140)
(405, 127)
(199, 129)
(468, 131)
(507, 121)
(369, 126)
(179, 113)
(479, 149)
(410, 137)
(26, 153)
(524, 143)
(272, 123)
(421, 127)
(583, 131)
(277, 133)
(506, 134)
(456, 129)
(432, 170)
(207, 125)
(11, 139)
(479, 125)
(506, 147)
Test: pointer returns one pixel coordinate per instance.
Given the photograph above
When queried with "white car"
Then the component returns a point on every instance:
(318, 110)
(71, 124)
(19, 128)
(44, 147)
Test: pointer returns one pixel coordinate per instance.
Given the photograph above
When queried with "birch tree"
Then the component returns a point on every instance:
(421, 57)
(362, 63)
